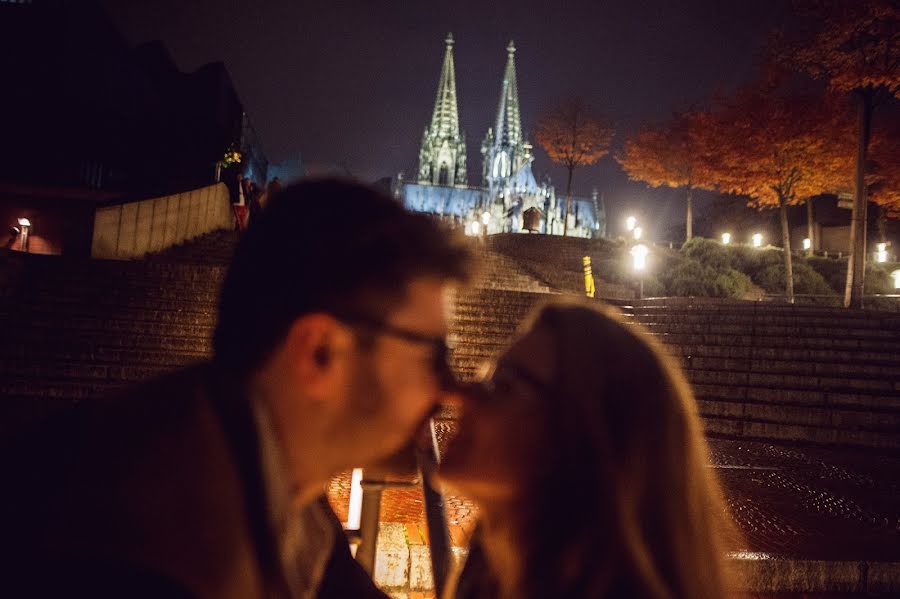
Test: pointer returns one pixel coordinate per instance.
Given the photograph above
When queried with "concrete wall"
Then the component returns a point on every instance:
(131, 230)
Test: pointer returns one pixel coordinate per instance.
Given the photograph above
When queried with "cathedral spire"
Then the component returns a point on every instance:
(509, 121)
(445, 120)
(504, 147)
(442, 157)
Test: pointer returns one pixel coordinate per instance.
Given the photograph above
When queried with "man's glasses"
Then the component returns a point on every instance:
(440, 349)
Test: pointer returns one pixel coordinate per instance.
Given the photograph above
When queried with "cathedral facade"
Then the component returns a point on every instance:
(507, 198)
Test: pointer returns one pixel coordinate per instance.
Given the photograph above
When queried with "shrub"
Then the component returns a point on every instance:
(733, 283)
(690, 278)
(707, 252)
(752, 261)
(834, 271)
(878, 279)
(806, 280)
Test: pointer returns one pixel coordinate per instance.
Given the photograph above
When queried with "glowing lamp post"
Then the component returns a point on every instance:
(639, 263)
(638, 233)
(757, 240)
(807, 244)
(726, 238)
(630, 223)
(475, 227)
(881, 254)
(25, 225)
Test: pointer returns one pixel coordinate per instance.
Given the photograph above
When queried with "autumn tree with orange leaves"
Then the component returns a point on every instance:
(855, 47)
(669, 155)
(778, 149)
(573, 136)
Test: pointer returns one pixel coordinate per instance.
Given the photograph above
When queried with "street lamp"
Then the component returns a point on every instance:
(476, 228)
(486, 218)
(807, 243)
(630, 223)
(638, 233)
(639, 263)
(757, 240)
(881, 254)
(25, 226)
(896, 276)
(726, 238)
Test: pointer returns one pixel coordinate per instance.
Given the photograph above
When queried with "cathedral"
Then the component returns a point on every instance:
(508, 198)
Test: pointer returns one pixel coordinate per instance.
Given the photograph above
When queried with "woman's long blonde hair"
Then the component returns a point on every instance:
(624, 502)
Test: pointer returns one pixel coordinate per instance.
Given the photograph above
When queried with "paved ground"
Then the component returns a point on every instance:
(808, 503)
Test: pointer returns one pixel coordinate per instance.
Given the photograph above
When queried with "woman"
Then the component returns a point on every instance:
(587, 458)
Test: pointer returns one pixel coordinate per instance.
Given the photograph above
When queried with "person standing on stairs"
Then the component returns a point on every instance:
(329, 354)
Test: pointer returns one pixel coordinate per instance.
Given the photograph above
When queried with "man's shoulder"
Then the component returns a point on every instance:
(146, 477)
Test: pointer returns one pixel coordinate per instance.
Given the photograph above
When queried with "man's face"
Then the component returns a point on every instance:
(395, 385)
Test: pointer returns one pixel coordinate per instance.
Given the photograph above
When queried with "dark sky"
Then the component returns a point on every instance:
(353, 83)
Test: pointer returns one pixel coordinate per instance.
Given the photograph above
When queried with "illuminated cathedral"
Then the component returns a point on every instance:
(508, 198)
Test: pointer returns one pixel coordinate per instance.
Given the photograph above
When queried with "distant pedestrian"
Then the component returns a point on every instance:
(239, 205)
(272, 188)
(254, 202)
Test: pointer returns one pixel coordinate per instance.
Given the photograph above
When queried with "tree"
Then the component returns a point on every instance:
(778, 148)
(855, 46)
(669, 155)
(573, 136)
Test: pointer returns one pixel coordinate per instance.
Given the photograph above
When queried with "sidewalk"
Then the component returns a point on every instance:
(814, 520)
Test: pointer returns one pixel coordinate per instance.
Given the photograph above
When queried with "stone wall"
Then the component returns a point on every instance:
(133, 229)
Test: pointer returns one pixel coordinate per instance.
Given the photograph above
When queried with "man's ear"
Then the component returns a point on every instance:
(313, 346)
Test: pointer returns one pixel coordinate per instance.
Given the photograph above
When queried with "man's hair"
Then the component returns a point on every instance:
(329, 246)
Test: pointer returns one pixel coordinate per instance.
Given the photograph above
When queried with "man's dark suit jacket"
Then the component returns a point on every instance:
(157, 493)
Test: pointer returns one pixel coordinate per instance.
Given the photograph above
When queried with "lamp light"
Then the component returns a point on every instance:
(639, 256)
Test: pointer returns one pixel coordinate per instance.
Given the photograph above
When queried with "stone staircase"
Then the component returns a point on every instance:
(786, 373)
(821, 379)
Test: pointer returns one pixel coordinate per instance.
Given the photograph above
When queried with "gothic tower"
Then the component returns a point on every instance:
(442, 159)
(504, 149)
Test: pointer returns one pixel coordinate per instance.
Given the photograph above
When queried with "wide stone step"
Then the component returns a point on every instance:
(779, 353)
(83, 371)
(825, 417)
(812, 320)
(744, 428)
(802, 368)
(788, 381)
(760, 330)
(799, 397)
(791, 342)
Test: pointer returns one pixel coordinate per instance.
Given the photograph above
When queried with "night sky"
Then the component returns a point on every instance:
(352, 84)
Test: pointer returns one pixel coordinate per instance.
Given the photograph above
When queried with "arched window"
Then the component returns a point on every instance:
(444, 175)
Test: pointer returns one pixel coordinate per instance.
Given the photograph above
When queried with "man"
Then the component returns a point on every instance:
(328, 354)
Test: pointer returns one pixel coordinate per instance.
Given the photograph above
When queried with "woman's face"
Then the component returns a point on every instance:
(500, 430)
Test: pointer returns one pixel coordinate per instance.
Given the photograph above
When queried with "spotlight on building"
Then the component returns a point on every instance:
(638, 233)
(726, 238)
(807, 243)
(881, 254)
(630, 223)
(639, 257)
(896, 276)
(757, 240)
